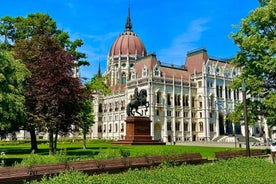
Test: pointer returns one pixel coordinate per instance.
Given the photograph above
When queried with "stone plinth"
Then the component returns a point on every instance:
(138, 132)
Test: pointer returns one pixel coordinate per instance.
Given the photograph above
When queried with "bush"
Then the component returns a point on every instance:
(42, 159)
(124, 153)
(68, 177)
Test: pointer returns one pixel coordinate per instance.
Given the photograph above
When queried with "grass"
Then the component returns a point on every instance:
(241, 170)
(99, 150)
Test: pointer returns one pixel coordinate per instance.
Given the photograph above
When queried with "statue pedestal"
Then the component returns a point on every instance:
(138, 132)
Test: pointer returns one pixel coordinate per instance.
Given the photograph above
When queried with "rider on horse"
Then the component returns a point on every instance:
(139, 99)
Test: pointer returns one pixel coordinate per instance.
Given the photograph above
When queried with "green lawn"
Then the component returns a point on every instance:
(101, 150)
(241, 170)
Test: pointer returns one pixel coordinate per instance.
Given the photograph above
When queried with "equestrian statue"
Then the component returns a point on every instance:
(139, 99)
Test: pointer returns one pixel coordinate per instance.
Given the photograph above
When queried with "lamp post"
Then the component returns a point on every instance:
(245, 119)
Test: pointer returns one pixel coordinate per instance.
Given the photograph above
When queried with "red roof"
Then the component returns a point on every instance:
(128, 43)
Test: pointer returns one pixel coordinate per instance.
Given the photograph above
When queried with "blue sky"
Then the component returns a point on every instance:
(169, 28)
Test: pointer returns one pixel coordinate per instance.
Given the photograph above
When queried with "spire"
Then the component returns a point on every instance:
(128, 22)
(99, 70)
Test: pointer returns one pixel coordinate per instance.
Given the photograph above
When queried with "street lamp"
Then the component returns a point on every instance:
(245, 119)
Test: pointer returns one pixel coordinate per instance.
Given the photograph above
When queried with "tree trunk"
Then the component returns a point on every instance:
(33, 140)
(55, 142)
(51, 142)
(84, 140)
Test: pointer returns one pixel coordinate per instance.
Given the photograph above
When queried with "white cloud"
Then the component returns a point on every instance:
(184, 42)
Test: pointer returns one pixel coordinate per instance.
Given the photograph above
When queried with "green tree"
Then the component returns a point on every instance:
(86, 119)
(256, 39)
(96, 85)
(31, 38)
(12, 76)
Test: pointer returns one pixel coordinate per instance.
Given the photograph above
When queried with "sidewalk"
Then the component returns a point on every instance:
(219, 144)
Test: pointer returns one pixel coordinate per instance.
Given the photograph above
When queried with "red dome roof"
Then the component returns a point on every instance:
(128, 43)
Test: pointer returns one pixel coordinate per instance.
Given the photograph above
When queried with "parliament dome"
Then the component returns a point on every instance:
(128, 43)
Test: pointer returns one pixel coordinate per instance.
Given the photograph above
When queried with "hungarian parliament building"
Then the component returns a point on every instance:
(187, 103)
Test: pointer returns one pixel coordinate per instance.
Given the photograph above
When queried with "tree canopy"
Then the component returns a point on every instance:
(12, 76)
(256, 39)
(53, 95)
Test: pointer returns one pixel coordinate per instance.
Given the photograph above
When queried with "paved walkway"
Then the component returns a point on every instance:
(220, 144)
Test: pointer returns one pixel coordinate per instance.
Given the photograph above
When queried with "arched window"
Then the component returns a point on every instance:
(156, 71)
(145, 72)
(217, 70)
(208, 69)
(123, 78)
(158, 97)
(185, 126)
(193, 126)
(201, 126)
(100, 108)
(234, 72)
(116, 127)
(200, 101)
(169, 99)
(211, 127)
(177, 126)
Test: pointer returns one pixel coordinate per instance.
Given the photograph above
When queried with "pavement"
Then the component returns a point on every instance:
(221, 144)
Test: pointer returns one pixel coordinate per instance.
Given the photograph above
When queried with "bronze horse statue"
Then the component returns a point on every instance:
(140, 99)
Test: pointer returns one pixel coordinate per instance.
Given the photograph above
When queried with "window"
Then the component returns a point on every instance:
(122, 127)
(211, 102)
(178, 100)
(185, 114)
(199, 84)
(169, 113)
(156, 71)
(122, 105)
(193, 101)
(201, 126)
(116, 106)
(193, 127)
(220, 91)
(123, 78)
(116, 127)
(185, 126)
(144, 72)
(169, 99)
(110, 107)
(187, 101)
(100, 128)
(158, 97)
(208, 69)
(110, 128)
(211, 127)
(157, 112)
(169, 126)
(217, 70)
(200, 101)
(193, 114)
(177, 113)
(200, 114)
(177, 126)
(100, 108)
(133, 75)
